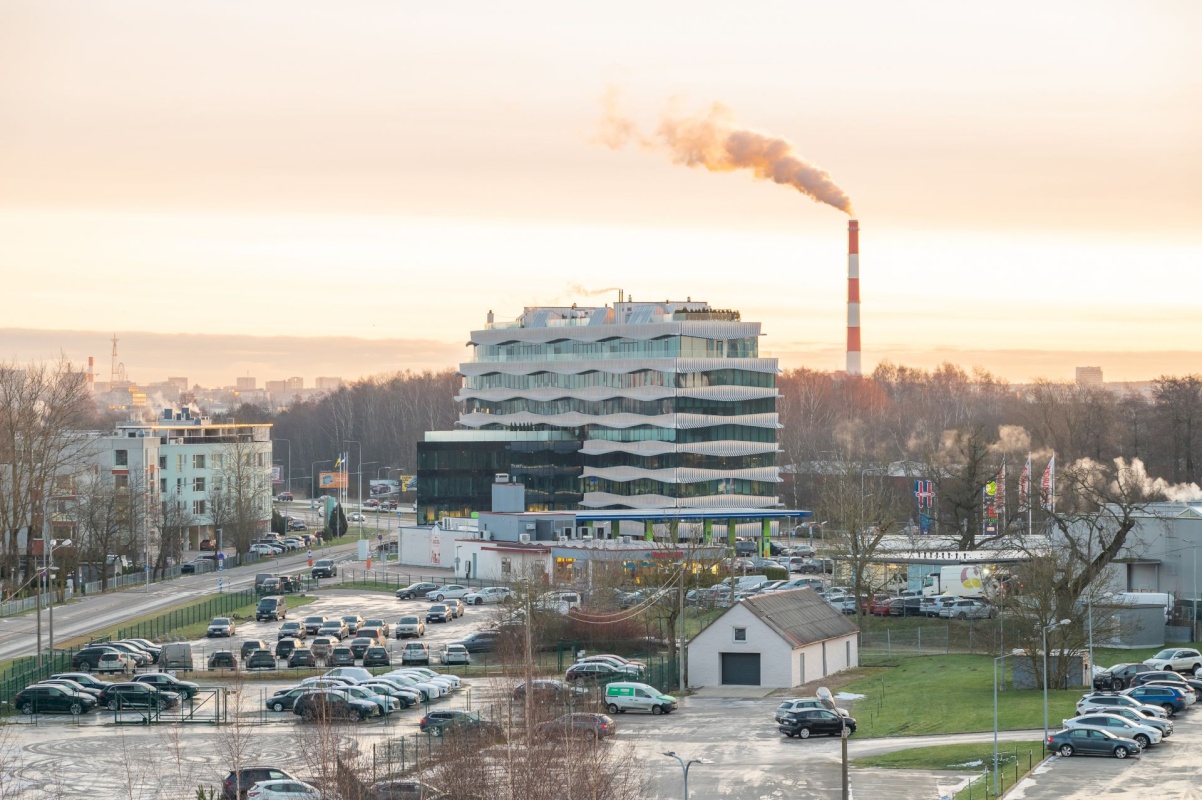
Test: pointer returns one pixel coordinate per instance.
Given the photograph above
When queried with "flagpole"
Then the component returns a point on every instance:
(1030, 517)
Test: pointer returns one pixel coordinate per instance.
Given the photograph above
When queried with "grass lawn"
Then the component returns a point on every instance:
(947, 694)
(197, 630)
(1015, 760)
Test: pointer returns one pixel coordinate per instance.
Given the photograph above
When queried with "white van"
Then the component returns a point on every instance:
(622, 696)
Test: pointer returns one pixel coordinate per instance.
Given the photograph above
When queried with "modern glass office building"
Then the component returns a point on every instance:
(634, 405)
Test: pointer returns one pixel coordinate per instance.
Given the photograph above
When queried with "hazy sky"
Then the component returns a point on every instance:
(1026, 176)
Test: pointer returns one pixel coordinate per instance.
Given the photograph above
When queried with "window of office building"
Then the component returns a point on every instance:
(198, 484)
(198, 507)
(121, 458)
(198, 461)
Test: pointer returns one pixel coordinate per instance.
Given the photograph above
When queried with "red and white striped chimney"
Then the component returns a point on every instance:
(853, 297)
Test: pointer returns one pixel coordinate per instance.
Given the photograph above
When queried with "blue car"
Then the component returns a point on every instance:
(1170, 699)
(1091, 741)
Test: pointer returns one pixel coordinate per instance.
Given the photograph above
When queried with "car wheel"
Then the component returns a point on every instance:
(1143, 740)
(479, 601)
(1168, 709)
(86, 667)
(961, 615)
(613, 708)
(438, 598)
(277, 707)
(1065, 750)
(113, 704)
(1119, 685)
(1120, 752)
(657, 710)
(25, 708)
(804, 733)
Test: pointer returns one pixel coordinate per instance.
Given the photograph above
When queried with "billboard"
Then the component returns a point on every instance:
(331, 480)
(384, 488)
(277, 474)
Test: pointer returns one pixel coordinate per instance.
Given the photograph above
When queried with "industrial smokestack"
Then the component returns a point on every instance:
(853, 297)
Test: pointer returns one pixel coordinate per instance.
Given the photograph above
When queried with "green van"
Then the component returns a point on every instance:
(623, 696)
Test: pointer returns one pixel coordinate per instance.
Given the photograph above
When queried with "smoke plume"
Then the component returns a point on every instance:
(583, 291)
(712, 141)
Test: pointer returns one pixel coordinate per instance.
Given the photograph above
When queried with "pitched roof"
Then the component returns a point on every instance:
(800, 616)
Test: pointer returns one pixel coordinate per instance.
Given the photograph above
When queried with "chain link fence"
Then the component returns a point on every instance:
(953, 636)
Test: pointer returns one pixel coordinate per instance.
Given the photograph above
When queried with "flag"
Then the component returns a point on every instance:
(1001, 490)
(1047, 487)
(338, 461)
(1024, 487)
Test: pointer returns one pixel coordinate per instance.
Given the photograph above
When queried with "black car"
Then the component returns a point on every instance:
(403, 790)
(415, 590)
(136, 695)
(251, 645)
(454, 719)
(376, 657)
(284, 647)
(223, 659)
(552, 690)
(47, 699)
(237, 784)
(480, 641)
(323, 704)
(285, 699)
(342, 657)
(439, 613)
(261, 659)
(1119, 676)
(808, 721)
(359, 645)
(88, 658)
(169, 683)
(324, 569)
(302, 657)
(596, 726)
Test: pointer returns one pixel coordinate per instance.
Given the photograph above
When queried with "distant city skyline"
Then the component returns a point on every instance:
(378, 177)
(215, 361)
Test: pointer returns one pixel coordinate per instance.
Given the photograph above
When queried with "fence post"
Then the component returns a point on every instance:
(888, 641)
(920, 641)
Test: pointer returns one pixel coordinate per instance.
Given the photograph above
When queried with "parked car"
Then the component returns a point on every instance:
(967, 608)
(1170, 699)
(322, 646)
(332, 704)
(325, 568)
(623, 696)
(222, 659)
(415, 653)
(457, 606)
(88, 658)
(403, 790)
(810, 721)
(84, 679)
(221, 626)
(72, 686)
(410, 625)
(285, 647)
(626, 664)
(594, 726)
(1164, 677)
(335, 629)
(291, 630)
(284, 699)
(1160, 723)
(353, 622)
(377, 656)
(447, 592)
(439, 612)
(261, 659)
(1179, 659)
(597, 672)
(342, 657)
(284, 790)
(44, 698)
(302, 657)
(359, 645)
(117, 696)
(169, 683)
(800, 704)
(455, 654)
(404, 696)
(415, 590)
(1091, 741)
(480, 641)
(551, 689)
(454, 718)
(313, 624)
(1144, 735)
(237, 784)
(297, 525)
(115, 661)
(488, 594)
(1094, 701)
(1119, 676)
(379, 624)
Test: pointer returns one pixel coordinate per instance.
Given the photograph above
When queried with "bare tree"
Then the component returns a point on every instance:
(238, 499)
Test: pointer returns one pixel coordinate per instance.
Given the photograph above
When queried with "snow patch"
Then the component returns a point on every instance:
(978, 762)
(849, 696)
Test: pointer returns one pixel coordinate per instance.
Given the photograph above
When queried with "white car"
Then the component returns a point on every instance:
(1120, 726)
(410, 625)
(487, 594)
(451, 590)
(355, 516)
(450, 681)
(1178, 659)
(1095, 702)
(283, 790)
(221, 626)
(967, 608)
(262, 550)
(456, 654)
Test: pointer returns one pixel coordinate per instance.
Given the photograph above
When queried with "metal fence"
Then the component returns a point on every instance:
(952, 636)
(397, 580)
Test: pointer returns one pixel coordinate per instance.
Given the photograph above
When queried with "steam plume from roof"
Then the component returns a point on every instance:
(713, 141)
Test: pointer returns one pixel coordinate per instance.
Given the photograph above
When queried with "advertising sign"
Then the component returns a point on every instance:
(331, 480)
(277, 474)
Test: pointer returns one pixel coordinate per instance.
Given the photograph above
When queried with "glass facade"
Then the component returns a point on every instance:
(576, 353)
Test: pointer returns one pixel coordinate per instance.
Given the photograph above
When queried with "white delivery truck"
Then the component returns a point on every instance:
(961, 580)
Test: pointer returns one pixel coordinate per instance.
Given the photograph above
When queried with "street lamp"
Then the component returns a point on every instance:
(288, 478)
(48, 561)
(996, 662)
(1045, 629)
(684, 767)
(384, 470)
(360, 490)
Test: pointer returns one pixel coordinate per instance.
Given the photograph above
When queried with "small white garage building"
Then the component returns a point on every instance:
(777, 640)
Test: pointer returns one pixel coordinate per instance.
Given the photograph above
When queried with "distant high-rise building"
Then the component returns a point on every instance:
(1089, 376)
(247, 384)
(276, 387)
(179, 383)
(328, 384)
(294, 384)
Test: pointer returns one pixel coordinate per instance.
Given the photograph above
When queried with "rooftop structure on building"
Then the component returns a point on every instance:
(1089, 376)
(635, 405)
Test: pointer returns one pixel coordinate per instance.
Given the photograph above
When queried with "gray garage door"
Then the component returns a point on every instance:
(740, 669)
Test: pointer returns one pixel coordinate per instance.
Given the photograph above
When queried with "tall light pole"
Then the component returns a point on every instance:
(360, 490)
(316, 479)
(382, 469)
(997, 661)
(288, 478)
(48, 560)
(1045, 630)
(684, 767)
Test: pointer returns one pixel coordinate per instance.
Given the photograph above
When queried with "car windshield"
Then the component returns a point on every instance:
(1163, 654)
(221, 621)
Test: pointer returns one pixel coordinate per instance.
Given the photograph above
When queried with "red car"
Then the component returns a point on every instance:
(880, 605)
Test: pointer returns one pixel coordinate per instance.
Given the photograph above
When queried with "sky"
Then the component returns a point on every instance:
(307, 188)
